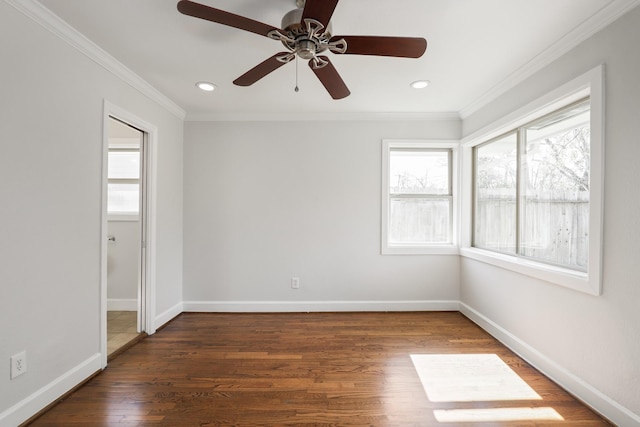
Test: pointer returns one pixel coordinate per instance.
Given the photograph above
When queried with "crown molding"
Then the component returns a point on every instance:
(321, 117)
(47, 19)
(605, 16)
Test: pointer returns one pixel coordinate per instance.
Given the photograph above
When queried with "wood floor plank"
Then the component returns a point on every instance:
(317, 369)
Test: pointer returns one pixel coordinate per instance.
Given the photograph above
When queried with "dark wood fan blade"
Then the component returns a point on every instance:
(202, 11)
(260, 70)
(402, 47)
(320, 10)
(330, 79)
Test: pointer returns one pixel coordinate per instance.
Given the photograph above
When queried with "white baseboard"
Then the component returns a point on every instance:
(26, 408)
(316, 306)
(169, 314)
(601, 403)
(121, 304)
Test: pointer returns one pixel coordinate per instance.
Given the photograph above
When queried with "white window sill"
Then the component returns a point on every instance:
(568, 278)
(420, 250)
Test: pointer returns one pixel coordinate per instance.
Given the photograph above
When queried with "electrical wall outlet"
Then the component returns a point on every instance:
(295, 283)
(18, 364)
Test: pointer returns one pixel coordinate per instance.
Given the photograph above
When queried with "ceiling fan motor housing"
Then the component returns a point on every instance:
(309, 37)
(292, 22)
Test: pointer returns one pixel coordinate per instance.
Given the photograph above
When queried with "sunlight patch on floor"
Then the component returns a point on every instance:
(470, 378)
(497, 414)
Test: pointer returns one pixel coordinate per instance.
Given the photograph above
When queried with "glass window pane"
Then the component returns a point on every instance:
(420, 220)
(495, 195)
(123, 198)
(556, 190)
(124, 164)
(419, 172)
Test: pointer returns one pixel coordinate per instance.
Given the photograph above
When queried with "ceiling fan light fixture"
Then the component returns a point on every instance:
(420, 84)
(206, 86)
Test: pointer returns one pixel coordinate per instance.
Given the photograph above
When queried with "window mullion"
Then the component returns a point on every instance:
(474, 195)
(520, 193)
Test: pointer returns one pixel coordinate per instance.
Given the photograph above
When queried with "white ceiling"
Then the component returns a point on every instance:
(475, 49)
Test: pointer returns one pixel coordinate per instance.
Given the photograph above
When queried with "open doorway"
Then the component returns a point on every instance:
(129, 131)
(126, 208)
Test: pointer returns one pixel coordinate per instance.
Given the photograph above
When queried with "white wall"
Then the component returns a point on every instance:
(591, 344)
(265, 201)
(51, 129)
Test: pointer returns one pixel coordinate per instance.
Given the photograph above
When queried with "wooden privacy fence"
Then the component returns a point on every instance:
(554, 224)
(420, 221)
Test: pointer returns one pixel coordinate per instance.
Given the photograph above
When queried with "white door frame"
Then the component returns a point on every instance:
(148, 286)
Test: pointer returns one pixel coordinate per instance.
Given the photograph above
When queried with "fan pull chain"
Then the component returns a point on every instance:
(296, 88)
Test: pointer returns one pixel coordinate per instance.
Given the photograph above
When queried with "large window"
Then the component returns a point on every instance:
(532, 189)
(418, 199)
(534, 186)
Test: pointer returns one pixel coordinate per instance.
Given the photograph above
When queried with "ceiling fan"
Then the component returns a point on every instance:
(306, 33)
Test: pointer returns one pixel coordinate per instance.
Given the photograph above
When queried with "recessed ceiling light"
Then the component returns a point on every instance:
(420, 84)
(206, 86)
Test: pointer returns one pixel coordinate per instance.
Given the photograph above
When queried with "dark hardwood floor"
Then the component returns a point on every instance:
(319, 369)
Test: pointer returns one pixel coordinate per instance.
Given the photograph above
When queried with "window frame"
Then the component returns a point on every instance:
(452, 147)
(590, 84)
